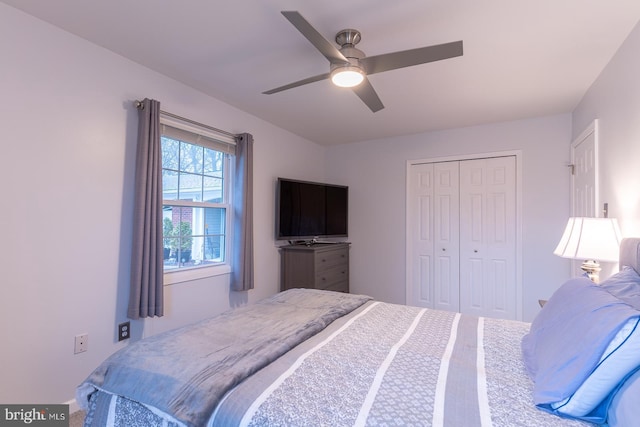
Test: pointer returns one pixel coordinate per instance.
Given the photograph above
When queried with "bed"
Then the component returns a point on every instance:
(306, 357)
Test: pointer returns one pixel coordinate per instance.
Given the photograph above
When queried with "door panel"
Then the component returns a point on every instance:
(487, 237)
(424, 281)
(472, 274)
(584, 177)
(420, 235)
(498, 277)
(446, 236)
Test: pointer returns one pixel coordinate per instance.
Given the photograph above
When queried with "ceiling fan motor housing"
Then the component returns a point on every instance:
(348, 37)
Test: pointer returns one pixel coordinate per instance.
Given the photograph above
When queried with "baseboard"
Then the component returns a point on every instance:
(73, 405)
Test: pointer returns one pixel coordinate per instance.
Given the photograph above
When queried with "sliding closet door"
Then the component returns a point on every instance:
(432, 221)
(488, 237)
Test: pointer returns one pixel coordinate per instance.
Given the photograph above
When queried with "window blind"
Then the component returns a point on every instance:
(198, 135)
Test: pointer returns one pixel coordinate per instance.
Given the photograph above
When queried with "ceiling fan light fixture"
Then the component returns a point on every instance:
(348, 76)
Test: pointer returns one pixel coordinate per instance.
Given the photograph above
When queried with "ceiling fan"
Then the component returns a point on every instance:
(349, 66)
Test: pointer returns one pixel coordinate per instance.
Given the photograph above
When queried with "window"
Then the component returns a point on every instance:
(195, 190)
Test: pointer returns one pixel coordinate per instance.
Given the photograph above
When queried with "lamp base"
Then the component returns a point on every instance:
(592, 268)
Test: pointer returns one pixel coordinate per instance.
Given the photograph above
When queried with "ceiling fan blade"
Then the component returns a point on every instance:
(407, 58)
(298, 83)
(368, 95)
(323, 45)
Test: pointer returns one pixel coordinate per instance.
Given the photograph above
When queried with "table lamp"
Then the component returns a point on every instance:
(590, 240)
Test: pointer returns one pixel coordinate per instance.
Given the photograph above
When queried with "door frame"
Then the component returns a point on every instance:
(518, 155)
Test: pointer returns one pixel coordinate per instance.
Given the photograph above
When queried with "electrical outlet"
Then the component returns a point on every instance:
(124, 331)
(81, 344)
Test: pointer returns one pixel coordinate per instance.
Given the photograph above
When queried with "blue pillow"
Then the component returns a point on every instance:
(621, 357)
(625, 285)
(581, 345)
(624, 409)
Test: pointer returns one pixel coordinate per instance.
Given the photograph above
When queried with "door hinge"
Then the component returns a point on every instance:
(573, 169)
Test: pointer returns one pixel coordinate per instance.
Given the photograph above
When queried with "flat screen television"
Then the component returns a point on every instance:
(310, 210)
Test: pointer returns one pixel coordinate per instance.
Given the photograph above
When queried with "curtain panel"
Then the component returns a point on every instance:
(146, 287)
(242, 258)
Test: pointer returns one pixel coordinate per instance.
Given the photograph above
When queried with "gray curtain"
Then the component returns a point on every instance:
(146, 293)
(242, 258)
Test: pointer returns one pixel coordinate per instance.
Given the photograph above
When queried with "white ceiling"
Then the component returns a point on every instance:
(522, 58)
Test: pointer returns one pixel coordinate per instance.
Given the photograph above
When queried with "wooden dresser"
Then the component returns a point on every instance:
(318, 266)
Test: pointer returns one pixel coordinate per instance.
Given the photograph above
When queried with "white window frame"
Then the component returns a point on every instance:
(200, 272)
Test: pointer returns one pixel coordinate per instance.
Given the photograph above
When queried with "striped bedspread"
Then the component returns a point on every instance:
(380, 365)
(389, 364)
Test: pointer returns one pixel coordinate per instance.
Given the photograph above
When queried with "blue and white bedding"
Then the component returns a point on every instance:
(378, 364)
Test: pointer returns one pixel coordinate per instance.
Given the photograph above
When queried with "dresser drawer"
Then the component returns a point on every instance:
(338, 287)
(328, 276)
(328, 259)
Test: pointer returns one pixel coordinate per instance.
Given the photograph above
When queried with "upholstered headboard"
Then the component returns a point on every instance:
(630, 253)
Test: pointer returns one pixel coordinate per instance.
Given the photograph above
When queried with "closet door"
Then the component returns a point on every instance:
(446, 219)
(488, 237)
(432, 220)
(420, 235)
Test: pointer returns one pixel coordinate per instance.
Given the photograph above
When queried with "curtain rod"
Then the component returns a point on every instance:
(140, 106)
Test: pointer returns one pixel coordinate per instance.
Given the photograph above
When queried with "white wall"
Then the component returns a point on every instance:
(376, 174)
(614, 99)
(68, 147)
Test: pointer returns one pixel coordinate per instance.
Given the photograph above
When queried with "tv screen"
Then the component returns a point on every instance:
(306, 210)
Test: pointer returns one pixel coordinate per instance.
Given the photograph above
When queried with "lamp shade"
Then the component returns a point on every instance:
(590, 239)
